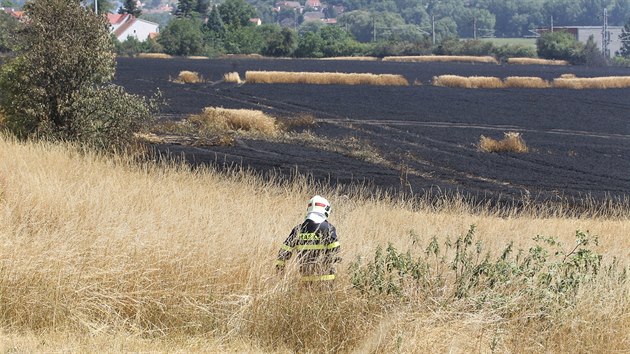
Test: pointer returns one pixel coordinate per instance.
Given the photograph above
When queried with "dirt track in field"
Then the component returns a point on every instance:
(426, 136)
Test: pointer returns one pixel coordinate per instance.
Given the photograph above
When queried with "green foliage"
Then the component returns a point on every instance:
(506, 51)
(625, 38)
(130, 7)
(243, 40)
(236, 13)
(8, 26)
(183, 36)
(591, 55)
(559, 45)
(107, 116)
(185, 8)
(133, 46)
(279, 43)
(547, 274)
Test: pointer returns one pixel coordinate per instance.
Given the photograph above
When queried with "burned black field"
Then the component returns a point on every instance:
(425, 137)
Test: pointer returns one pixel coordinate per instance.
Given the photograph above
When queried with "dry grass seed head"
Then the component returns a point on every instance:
(246, 120)
(511, 142)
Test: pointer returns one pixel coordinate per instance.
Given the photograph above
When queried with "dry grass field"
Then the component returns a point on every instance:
(223, 119)
(443, 59)
(104, 254)
(324, 78)
(358, 58)
(536, 61)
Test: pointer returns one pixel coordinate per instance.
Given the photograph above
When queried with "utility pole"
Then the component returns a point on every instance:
(551, 23)
(96, 7)
(373, 29)
(433, 27)
(605, 34)
(474, 28)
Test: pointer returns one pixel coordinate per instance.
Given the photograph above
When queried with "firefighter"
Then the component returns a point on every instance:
(315, 244)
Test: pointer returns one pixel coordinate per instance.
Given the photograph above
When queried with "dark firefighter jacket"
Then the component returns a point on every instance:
(316, 247)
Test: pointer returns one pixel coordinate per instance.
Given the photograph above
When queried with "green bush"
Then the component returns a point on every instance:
(559, 46)
(546, 275)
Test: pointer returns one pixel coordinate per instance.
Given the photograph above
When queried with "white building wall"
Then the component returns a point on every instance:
(613, 46)
(140, 29)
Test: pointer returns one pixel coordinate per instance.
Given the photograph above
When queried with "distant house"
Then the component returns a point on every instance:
(19, 15)
(124, 26)
(294, 5)
(313, 4)
(256, 21)
(311, 16)
(582, 33)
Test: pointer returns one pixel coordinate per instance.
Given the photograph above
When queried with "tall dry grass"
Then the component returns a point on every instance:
(536, 61)
(324, 78)
(526, 82)
(467, 82)
(224, 119)
(443, 59)
(188, 77)
(232, 77)
(101, 254)
(511, 142)
(609, 82)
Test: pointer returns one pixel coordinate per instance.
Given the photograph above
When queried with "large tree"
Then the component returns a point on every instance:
(58, 80)
(63, 49)
(625, 40)
(130, 7)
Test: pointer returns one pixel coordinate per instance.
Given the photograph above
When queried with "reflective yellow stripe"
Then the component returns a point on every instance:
(280, 262)
(310, 247)
(287, 248)
(318, 277)
(333, 245)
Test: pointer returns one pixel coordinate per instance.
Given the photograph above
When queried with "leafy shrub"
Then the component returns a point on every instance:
(545, 276)
(559, 45)
(502, 53)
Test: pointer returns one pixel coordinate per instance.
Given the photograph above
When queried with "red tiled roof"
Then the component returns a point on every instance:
(115, 18)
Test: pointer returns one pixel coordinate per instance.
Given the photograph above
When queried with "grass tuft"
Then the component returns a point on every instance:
(610, 82)
(357, 58)
(188, 77)
(244, 120)
(443, 59)
(467, 82)
(154, 56)
(526, 82)
(536, 61)
(232, 77)
(324, 78)
(511, 142)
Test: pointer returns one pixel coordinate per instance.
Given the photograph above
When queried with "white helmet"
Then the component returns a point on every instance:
(319, 204)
